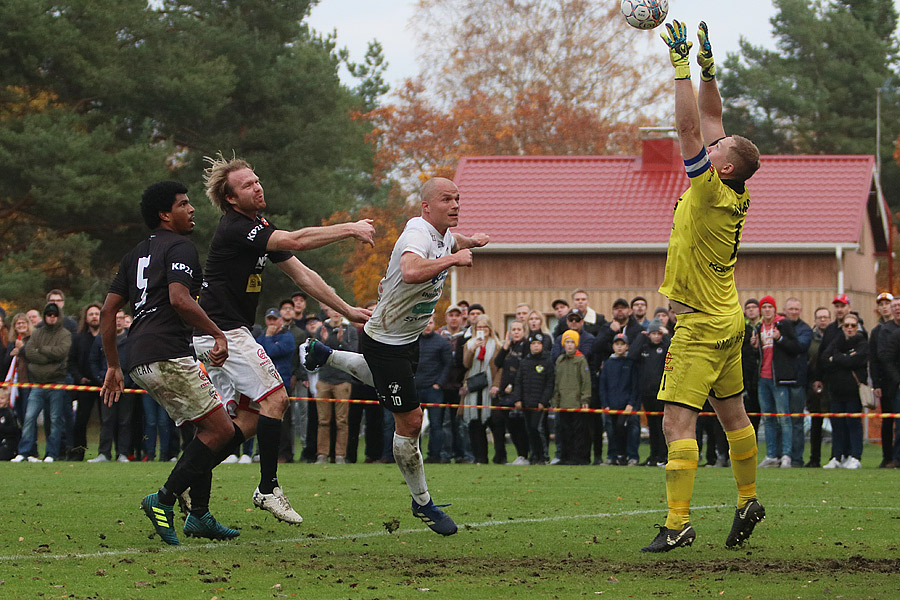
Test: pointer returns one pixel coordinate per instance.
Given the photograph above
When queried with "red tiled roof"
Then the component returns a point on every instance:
(613, 200)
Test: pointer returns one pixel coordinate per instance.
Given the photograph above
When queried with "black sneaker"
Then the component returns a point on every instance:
(669, 539)
(813, 464)
(745, 519)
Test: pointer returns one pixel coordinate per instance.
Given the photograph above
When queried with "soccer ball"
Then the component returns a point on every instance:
(645, 14)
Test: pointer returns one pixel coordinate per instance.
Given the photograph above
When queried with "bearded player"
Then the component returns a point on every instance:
(243, 243)
(704, 359)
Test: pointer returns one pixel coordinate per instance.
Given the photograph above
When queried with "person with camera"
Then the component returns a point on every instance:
(482, 383)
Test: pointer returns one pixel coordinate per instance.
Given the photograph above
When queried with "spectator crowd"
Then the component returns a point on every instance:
(527, 386)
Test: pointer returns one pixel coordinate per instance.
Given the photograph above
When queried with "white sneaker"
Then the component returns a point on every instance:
(99, 458)
(48, 459)
(245, 459)
(231, 459)
(34, 459)
(833, 464)
(173, 459)
(521, 461)
(852, 463)
(785, 462)
(321, 459)
(277, 504)
(122, 458)
(340, 460)
(769, 462)
(18, 458)
(555, 461)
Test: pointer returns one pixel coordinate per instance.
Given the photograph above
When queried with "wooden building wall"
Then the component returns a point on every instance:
(501, 281)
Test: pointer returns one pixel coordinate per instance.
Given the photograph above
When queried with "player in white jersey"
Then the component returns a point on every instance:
(407, 295)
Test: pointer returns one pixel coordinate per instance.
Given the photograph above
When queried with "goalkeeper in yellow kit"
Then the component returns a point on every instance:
(704, 359)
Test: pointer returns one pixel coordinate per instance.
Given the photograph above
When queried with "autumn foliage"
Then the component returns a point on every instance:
(517, 78)
(365, 266)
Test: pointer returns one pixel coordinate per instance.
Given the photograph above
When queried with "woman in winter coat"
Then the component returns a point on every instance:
(478, 355)
(508, 359)
(14, 365)
(845, 366)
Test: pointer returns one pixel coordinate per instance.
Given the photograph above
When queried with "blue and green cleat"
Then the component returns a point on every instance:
(162, 516)
(207, 527)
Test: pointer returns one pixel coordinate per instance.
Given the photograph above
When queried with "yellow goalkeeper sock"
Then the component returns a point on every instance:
(680, 472)
(742, 449)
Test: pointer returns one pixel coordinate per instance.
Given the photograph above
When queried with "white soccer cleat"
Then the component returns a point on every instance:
(277, 504)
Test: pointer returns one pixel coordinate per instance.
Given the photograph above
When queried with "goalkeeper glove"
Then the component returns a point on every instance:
(705, 56)
(679, 49)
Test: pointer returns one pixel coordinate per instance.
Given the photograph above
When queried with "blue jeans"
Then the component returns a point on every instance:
(155, 419)
(55, 399)
(847, 432)
(388, 429)
(436, 416)
(797, 402)
(623, 436)
(774, 399)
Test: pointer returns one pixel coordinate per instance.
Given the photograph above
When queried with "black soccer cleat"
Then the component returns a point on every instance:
(745, 519)
(669, 539)
(432, 515)
(317, 354)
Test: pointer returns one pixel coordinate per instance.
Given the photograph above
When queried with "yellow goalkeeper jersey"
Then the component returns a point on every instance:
(706, 234)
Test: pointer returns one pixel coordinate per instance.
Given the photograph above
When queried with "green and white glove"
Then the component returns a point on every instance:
(679, 48)
(704, 56)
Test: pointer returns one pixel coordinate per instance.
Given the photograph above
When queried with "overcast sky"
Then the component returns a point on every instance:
(359, 21)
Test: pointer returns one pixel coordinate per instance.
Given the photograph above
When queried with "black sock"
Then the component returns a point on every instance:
(195, 461)
(268, 436)
(200, 492)
(230, 447)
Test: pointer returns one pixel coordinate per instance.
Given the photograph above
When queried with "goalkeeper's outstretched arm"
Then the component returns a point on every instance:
(708, 100)
(687, 116)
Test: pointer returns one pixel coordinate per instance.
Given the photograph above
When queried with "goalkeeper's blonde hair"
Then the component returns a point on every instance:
(744, 155)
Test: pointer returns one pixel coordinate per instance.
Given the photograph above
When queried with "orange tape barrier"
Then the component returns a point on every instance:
(605, 411)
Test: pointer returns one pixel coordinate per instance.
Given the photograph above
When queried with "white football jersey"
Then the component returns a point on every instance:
(403, 309)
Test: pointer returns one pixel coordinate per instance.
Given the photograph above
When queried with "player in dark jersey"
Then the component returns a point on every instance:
(242, 245)
(161, 277)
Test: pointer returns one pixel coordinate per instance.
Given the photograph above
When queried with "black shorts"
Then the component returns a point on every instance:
(393, 370)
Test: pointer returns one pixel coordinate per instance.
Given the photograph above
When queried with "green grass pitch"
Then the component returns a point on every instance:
(75, 530)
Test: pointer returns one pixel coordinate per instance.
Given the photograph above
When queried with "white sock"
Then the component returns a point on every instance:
(409, 459)
(353, 363)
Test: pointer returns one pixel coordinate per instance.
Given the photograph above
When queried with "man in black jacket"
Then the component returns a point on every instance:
(886, 378)
(80, 370)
